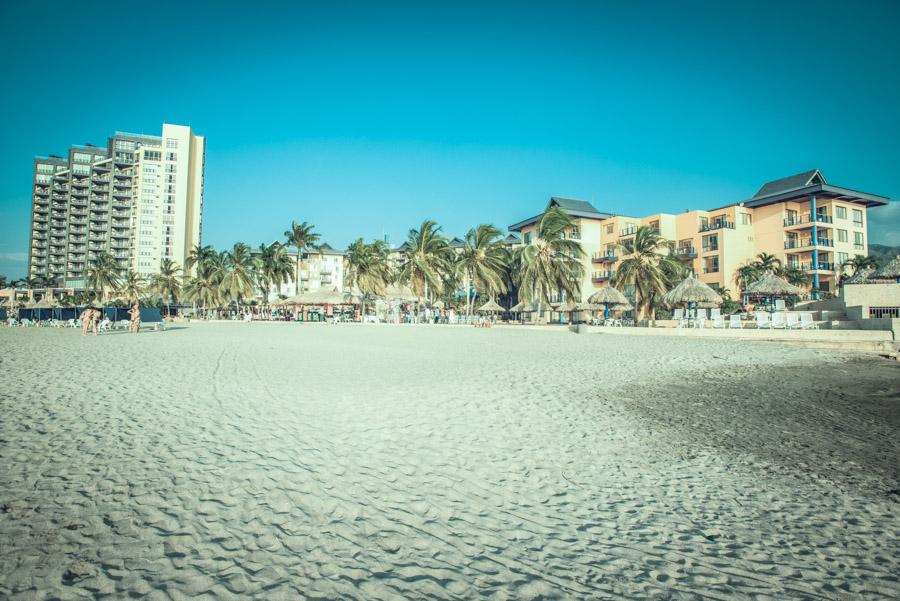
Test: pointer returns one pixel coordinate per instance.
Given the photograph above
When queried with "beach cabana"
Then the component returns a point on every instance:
(490, 307)
(691, 292)
(771, 286)
(607, 297)
(889, 273)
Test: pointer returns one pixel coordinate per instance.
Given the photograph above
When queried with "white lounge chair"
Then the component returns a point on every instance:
(26, 323)
(700, 318)
(678, 315)
(734, 322)
(778, 320)
(715, 312)
(12, 321)
(779, 305)
(793, 321)
(718, 321)
(70, 323)
(807, 323)
(762, 321)
(104, 325)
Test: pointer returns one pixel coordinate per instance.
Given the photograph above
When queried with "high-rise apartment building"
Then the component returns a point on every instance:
(140, 199)
(804, 221)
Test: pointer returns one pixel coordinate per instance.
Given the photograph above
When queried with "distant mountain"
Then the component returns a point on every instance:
(883, 253)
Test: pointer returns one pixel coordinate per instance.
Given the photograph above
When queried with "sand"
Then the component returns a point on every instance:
(286, 461)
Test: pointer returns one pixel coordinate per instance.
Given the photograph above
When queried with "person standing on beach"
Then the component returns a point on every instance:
(95, 320)
(86, 320)
(135, 314)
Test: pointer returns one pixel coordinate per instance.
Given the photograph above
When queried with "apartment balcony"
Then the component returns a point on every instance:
(823, 266)
(607, 257)
(80, 183)
(710, 249)
(101, 167)
(806, 220)
(806, 244)
(628, 231)
(717, 225)
(123, 174)
(602, 276)
(80, 193)
(708, 269)
(121, 194)
(100, 190)
(79, 202)
(43, 194)
(686, 252)
(126, 214)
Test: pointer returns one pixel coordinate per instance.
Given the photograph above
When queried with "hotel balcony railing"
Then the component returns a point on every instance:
(710, 249)
(804, 242)
(628, 231)
(686, 252)
(822, 266)
(602, 276)
(42, 193)
(607, 257)
(807, 218)
(78, 221)
(121, 214)
(711, 269)
(717, 225)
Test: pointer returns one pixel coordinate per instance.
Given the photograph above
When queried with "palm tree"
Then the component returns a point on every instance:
(133, 286)
(747, 274)
(199, 254)
(552, 262)
(302, 237)
(103, 274)
(428, 259)
(793, 275)
(483, 262)
(860, 262)
(167, 283)
(237, 282)
(205, 287)
(767, 263)
(368, 268)
(651, 267)
(273, 267)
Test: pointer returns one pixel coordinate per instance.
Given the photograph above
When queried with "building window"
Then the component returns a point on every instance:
(527, 237)
(43, 179)
(840, 212)
(152, 155)
(171, 143)
(858, 240)
(171, 156)
(609, 229)
(44, 168)
(711, 265)
(857, 218)
(710, 243)
(124, 145)
(841, 258)
(746, 219)
(81, 169)
(842, 235)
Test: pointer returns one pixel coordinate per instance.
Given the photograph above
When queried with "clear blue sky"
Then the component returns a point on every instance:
(366, 118)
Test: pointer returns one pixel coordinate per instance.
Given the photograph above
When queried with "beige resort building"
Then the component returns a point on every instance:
(802, 219)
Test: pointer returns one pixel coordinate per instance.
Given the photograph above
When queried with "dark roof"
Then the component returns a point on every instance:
(457, 243)
(807, 178)
(801, 187)
(326, 248)
(511, 239)
(575, 208)
(403, 247)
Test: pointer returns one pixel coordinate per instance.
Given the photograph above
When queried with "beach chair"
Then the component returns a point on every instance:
(762, 321)
(779, 305)
(12, 321)
(26, 323)
(104, 325)
(718, 321)
(734, 322)
(678, 315)
(793, 321)
(700, 318)
(807, 323)
(778, 321)
(70, 323)
(715, 312)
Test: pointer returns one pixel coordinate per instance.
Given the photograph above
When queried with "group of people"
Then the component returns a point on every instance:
(91, 317)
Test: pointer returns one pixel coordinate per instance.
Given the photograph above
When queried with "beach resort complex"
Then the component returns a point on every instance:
(139, 199)
(802, 220)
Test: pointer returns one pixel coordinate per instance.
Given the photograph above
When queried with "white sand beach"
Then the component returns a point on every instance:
(287, 461)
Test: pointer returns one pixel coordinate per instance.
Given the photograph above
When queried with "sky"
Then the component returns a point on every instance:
(367, 118)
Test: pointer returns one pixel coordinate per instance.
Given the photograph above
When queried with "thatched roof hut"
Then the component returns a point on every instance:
(517, 308)
(608, 296)
(490, 307)
(398, 293)
(691, 290)
(771, 285)
(323, 296)
(861, 276)
(438, 305)
(891, 271)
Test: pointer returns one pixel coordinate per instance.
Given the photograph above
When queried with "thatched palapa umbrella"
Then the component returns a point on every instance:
(690, 292)
(771, 286)
(890, 272)
(608, 296)
(438, 305)
(490, 307)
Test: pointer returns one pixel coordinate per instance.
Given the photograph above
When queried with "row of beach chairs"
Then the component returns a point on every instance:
(780, 320)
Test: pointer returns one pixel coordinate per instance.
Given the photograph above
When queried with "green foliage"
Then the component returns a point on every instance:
(552, 262)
